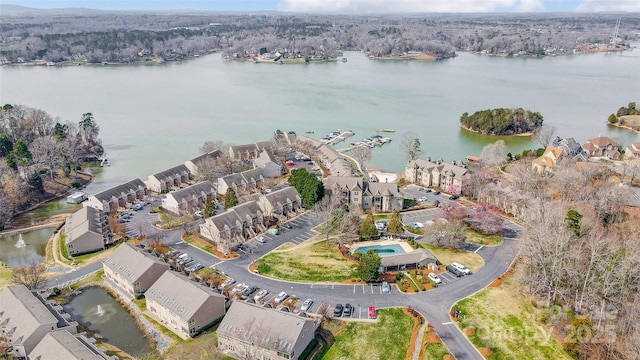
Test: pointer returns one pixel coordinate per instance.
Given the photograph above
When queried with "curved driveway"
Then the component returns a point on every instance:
(434, 305)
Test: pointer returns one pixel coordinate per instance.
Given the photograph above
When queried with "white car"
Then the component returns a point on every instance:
(199, 213)
(435, 278)
(423, 199)
(461, 267)
(280, 297)
(261, 239)
(306, 305)
(416, 225)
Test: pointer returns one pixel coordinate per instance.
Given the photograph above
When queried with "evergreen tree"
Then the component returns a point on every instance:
(311, 189)
(369, 267)
(209, 207)
(5, 145)
(35, 180)
(368, 228)
(395, 226)
(574, 221)
(230, 199)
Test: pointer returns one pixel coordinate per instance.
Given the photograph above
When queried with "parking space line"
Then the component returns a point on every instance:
(363, 289)
(478, 249)
(354, 289)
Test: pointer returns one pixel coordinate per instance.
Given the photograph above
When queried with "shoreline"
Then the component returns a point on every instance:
(479, 133)
(624, 127)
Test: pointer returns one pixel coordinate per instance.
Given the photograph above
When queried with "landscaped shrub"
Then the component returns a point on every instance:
(399, 276)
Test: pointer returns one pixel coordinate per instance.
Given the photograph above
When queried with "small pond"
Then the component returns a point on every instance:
(98, 311)
(25, 249)
(43, 212)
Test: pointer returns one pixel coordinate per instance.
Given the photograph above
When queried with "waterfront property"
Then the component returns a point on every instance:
(263, 333)
(506, 198)
(633, 151)
(270, 166)
(131, 271)
(571, 148)
(439, 174)
(169, 179)
(241, 183)
(199, 163)
(62, 344)
(182, 305)
(87, 230)
(549, 159)
(602, 147)
(118, 196)
(26, 318)
(281, 205)
(250, 151)
(330, 158)
(186, 201)
(77, 197)
(369, 196)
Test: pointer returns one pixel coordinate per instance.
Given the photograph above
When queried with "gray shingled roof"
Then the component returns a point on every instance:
(171, 173)
(228, 218)
(118, 190)
(208, 156)
(197, 190)
(180, 295)
(22, 312)
(131, 262)
(247, 210)
(65, 346)
(266, 328)
(87, 219)
(281, 196)
(414, 257)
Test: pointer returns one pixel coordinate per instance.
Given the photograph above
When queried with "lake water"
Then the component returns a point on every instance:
(31, 250)
(153, 117)
(97, 310)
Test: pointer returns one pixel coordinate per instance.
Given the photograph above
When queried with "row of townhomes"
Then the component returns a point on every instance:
(233, 227)
(186, 308)
(570, 149)
(87, 230)
(370, 196)
(39, 330)
(439, 174)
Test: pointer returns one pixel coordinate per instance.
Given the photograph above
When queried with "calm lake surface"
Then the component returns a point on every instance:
(97, 310)
(153, 117)
(31, 250)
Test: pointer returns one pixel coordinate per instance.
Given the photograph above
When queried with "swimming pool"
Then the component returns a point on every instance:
(382, 250)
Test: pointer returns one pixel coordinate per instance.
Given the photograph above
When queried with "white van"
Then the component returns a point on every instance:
(462, 268)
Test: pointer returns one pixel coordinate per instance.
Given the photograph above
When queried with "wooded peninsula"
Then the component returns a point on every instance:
(501, 121)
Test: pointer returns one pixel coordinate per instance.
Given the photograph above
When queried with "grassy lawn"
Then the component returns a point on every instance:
(314, 262)
(199, 242)
(502, 320)
(414, 231)
(380, 217)
(447, 256)
(169, 221)
(388, 338)
(434, 351)
(5, 275)
(475, 237)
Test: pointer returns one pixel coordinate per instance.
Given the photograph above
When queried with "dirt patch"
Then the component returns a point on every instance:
(502, 278)
(431, 337)
(468, 331)
(414, 332)
(448, 357)
(485, 351)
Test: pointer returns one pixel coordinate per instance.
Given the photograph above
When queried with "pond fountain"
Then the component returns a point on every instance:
(26, 248)
(20, 243)
(98, 311)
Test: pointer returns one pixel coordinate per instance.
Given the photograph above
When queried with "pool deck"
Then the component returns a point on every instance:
(406, 247)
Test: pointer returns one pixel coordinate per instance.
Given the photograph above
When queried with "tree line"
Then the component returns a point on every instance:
(34, 149)
(82, 35)
(502, 121)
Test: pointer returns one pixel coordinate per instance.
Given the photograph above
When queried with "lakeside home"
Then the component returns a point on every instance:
(87, 230)
(439, 174)
(186, 201)
(118, 196)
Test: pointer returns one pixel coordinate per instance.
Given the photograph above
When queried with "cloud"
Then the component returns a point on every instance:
(530, 6)
(609, 5)
(404, 6)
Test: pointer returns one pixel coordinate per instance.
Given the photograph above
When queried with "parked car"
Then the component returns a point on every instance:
(454, 197)
(385, 287)
(137, 207)
(239, 288)
(196, 267)
(454, 271)
(429, 190)
(227, 283)
(423, 199)
(250, 290)
(436, 193)
(462, 268)
(123, 220)
(306, 305)
(260, 295)
(261, 239)
(199, 214)
(416, 225)
(287, 226)
(348, 309)
(436, 279)
(280, 297)
(125, 215)
(337, 311)
(372, 312)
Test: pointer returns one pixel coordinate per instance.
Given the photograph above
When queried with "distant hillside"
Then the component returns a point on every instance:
(502, 121)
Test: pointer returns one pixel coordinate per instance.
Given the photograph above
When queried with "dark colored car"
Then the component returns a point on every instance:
(250, 290)
(287, 226)
(337, 311)
(348, 309)
(454, 197)
(455, 271)
(436, 193)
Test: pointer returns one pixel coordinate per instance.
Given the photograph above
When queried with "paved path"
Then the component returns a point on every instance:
(418, 343)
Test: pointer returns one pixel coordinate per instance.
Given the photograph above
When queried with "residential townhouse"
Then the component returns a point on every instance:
(244, 182)
(182, 305)
(269, 165)
(250, 151)
(369, 196)
(186, 201)
(281, 205)
(571, 148)
(87, 230)
(26, 318)
(119, 196)
(445, 176)
(176, 177)
(602, 147)
(131, 270)
(197, 164)
(254, 332)
(506, 198)
(64, 345)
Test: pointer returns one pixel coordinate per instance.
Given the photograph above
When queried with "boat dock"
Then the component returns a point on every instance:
(370, 142)
(337, 136)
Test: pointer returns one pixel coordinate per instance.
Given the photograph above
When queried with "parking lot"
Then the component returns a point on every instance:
(418, 192)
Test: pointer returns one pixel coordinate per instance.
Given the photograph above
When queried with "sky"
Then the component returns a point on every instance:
(346, 6)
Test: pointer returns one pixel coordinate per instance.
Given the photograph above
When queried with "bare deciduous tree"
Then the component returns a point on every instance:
(31, 276)
(494, 154)
(544, 135)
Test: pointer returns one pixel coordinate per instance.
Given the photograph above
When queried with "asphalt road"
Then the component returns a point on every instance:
(434, 305)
